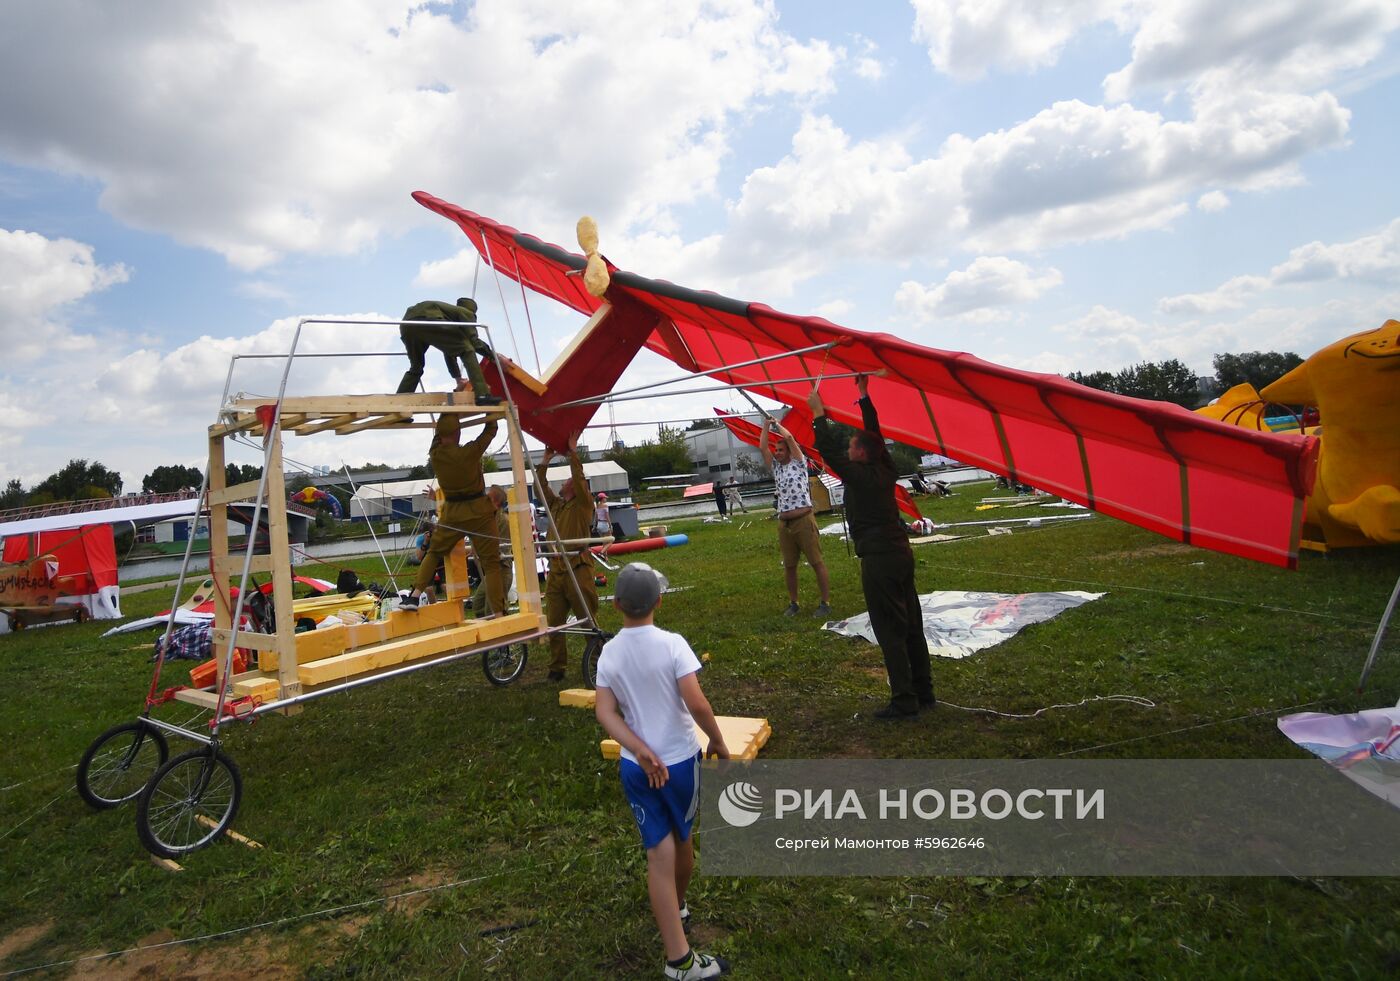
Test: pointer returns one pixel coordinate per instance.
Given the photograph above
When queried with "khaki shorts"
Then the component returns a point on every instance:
(799, 535)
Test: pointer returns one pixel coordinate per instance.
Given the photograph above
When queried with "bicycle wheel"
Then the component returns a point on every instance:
(119, 763)
(188, 803)
(592, 650)
(504, 664)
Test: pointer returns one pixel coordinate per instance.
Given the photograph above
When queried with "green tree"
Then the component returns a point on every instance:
(77, 481)
(169, 479)
(1259, 368)
(13, 495)
(706, 423)
(1165, 381)
(240, 473)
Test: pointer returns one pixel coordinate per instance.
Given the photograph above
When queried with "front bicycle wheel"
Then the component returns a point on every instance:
(189, 803)
(504, 664)
(119, 764)
(592, 650)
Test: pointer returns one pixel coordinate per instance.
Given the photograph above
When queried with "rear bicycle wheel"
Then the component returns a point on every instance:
(189, 803)
(503, 665)
(592, 650)
(119, 764)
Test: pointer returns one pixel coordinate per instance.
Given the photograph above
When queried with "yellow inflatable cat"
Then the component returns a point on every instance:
(1355, 384)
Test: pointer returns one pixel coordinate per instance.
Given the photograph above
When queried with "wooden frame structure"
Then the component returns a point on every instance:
(290, 665)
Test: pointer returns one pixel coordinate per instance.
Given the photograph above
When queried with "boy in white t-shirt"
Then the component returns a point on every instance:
(648, 693)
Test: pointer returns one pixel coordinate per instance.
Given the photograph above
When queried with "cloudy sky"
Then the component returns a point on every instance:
(1075, 185)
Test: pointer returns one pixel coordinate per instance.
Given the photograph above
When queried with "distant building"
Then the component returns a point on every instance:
(715, 453)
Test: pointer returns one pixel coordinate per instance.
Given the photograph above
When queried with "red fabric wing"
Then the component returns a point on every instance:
(1153, 464)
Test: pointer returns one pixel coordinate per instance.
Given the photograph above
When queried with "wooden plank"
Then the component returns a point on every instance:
(338, 419)
(520, 376)
(218, 533)
(230, 834)
(454, 574)
(169, 865)
(245, 638)
(325, 405)
(233, 565)
(195, 696)
(263, 688)
(744, 737)
(278, 545)
(237, 425)
(247, 490)
(414, 647)
(374, 422)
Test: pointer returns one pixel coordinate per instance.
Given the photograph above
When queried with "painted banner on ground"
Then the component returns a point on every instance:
(958, 624)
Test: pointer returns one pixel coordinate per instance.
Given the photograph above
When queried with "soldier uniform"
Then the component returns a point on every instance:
(572, 519)
(465, 510)
(455, 337)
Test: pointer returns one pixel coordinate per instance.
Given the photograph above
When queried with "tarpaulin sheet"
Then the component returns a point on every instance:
(958, 624)
(1363, 745)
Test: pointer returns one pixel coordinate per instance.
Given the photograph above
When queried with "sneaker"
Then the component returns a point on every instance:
(791, 611)
(555, 676)
(697, 965)
(488, 400)
(892, 711)
(822, 611)
(685, 917)
(408, 601)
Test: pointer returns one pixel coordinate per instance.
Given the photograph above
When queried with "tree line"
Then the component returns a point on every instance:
(1173, 381)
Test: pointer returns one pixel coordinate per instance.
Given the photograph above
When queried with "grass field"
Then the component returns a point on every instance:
(403, 823)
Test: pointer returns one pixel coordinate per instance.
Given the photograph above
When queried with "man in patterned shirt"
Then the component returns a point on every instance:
(797, 529)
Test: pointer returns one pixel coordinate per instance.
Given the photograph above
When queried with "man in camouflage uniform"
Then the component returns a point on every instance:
(453, 335)
(570, 585)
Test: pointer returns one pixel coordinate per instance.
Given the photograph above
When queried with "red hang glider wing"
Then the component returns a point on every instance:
(1153, 464)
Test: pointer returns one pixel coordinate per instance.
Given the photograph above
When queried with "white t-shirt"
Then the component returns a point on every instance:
(790, 482)
(642, 667)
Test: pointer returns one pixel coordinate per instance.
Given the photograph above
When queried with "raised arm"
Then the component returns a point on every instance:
(576, 469)
(870, 421)
(763, 447)
(488, 433)
(542, 487)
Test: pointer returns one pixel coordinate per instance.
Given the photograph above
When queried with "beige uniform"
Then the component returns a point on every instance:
(572, 519)
(466, 510)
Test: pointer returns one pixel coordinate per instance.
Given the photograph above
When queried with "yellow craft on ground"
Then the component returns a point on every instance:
(744, 737)
(1355, 384)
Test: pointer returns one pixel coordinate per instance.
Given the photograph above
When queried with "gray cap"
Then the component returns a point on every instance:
(638, 589)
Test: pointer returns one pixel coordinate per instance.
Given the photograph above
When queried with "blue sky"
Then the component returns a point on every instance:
(1075, 186)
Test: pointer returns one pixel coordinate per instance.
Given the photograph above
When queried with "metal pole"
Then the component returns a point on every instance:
(711, 371)
(1376, 641)
(599, 400)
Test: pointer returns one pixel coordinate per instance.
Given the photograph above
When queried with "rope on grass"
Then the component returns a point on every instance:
(1203, 725)
(1130, 699)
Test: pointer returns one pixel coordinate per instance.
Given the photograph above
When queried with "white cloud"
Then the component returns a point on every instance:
(344, 105)
(1372, 259)
(982, 291)
(1280, 45)
(1213, 201)
(966, 38)
(39, 278)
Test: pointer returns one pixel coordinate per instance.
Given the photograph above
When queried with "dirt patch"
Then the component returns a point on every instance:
(24, 937)
(254, 958)
(1151, 551)
(426, 879)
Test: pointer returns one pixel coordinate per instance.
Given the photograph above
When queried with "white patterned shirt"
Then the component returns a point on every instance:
(790, 481)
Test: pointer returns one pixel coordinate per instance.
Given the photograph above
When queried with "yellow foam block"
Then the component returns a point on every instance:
(744, 737)
(583, 698)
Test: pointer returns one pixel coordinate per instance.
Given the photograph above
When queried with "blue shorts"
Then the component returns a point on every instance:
(670, 808)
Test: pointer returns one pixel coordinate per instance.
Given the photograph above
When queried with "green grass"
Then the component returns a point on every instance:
(501, 797)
